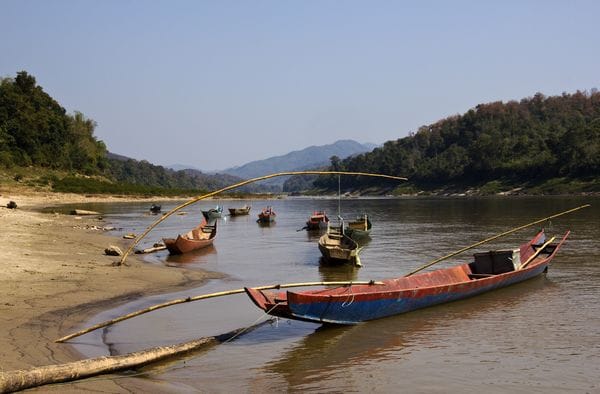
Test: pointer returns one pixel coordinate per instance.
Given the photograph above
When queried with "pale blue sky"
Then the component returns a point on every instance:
(215, 84)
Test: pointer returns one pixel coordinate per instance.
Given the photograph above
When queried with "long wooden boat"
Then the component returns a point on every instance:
(357, 303)
(267, 215)
(200, 237)
(245, 210)
(317, 221)
(338, 248)
(214, 213)
(361, 227)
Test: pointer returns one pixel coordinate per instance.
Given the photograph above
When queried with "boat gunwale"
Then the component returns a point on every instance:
(391, 287)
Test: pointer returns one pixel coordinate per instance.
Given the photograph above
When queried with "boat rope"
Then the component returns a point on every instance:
(243, 330)
(348, 303)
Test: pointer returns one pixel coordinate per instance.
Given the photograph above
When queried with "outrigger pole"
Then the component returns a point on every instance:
(494, 237)
(243, 183)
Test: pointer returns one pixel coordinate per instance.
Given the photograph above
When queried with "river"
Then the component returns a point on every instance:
(542, 335)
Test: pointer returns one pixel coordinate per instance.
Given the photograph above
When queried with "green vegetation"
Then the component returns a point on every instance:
(538, 145)
(48, 148)
(545, 144)
(35, 130)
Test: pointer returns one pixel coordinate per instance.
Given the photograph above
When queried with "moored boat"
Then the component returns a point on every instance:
(357, 303)
(317, 221)
(361, 227)
(338, 248)
(200, 237)
(214, 213)
(245, 210)
(267, 215)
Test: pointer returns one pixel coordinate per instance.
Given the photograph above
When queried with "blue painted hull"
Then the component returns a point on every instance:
(353, 309)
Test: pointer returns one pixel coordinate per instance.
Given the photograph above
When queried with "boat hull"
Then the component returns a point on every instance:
(339, 249)
(358, 303)
(182, 245)
(353, 309)
(198, 238)
(239, 211)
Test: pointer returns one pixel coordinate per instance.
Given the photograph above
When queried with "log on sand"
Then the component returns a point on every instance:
(23, 379)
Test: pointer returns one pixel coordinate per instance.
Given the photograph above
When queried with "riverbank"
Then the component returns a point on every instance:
(55, 275)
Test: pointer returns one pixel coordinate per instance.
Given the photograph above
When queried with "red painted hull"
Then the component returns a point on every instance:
(317, 221)
(267, 215)
(357, 303)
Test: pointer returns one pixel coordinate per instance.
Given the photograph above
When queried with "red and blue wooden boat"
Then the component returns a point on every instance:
(353, 304)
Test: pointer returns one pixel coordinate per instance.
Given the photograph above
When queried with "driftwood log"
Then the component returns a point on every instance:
(151, 250)
(11, 381)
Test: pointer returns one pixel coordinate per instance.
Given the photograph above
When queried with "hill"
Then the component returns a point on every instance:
(539, 144)
(308, 158)
(36, 132)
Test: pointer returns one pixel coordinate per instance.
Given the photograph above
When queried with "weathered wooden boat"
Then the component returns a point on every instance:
(214, 213)
(200, 237)
(245, 210)
(267, 215)
(357, 303)
(359, 228)
(338, 248)
(317, 221)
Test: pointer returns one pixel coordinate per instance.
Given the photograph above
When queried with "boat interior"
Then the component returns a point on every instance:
(205, 232)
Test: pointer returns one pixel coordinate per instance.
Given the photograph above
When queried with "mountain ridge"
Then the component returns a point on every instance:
(310, 157)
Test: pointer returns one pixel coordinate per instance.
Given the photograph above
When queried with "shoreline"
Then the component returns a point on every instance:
(55, 277)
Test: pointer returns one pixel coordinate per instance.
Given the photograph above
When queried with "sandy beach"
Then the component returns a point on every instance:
(55, 275)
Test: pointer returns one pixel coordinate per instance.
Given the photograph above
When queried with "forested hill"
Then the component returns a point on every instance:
(515, 144)
(36, 131)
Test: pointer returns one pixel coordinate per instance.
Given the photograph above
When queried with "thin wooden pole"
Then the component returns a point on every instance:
(533, 256)
(204, 297)
(243, 183)
(494, 237)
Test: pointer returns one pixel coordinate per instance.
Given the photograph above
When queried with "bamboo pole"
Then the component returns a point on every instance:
(243, 183)
(204, 297)
(23, 379)
(533, 256)
(494, 237)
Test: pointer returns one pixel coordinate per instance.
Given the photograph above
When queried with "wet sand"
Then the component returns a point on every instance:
(55, 275)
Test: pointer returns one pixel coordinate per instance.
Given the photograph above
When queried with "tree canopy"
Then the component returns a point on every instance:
(36, 130)
(536, 138)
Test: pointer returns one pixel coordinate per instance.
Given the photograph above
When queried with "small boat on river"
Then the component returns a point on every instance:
(267, 215)
(214, 213)
(245, 210)
(352, 304)
(200, 237)
(338, 248)
(359, 228)
(317, 221)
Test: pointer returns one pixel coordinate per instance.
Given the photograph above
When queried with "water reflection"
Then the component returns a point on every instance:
(539, 334)
(330, 350)
(334, 273)
(195, 256)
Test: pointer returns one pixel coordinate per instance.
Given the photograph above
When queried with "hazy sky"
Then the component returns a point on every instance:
(215, 84)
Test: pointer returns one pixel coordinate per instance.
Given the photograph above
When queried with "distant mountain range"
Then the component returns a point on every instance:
(308, 158)
(305, 159)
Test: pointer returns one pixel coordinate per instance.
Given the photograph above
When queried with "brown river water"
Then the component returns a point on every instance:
(540, 336)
